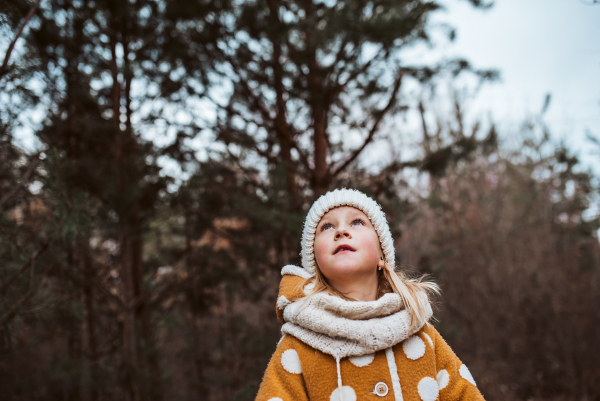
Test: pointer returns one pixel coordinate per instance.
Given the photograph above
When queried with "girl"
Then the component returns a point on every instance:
(354, 329)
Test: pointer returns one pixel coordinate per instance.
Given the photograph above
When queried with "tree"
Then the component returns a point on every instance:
(509, 236)
(306, 75)
(100, 179)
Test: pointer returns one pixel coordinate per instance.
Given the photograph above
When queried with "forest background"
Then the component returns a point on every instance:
(181, 145)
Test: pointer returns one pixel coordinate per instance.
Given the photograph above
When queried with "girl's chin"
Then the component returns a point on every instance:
(341, 269)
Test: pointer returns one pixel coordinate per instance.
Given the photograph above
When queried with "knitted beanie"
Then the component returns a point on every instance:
(344, 197)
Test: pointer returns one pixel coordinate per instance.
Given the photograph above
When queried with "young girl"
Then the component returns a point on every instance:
(354, 329)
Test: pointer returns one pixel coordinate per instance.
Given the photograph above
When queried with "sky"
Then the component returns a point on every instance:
(539, 47)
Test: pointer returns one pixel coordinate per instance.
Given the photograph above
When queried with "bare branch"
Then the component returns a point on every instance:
(378, 118)
(14, 309)
(303, 157)
(333, 90)
(263, 110)
(459, 116)
(426, 137)
(17, 188)
(30, 292)
(11, 47)
(21, 269)
(110, 295)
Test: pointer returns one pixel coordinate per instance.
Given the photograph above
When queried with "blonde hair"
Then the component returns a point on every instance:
(390, 280)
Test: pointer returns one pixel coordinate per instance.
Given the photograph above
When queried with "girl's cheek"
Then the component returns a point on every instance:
(370, 246)
(320, 249)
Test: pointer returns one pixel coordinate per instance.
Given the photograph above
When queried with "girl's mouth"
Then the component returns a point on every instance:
(343, 248)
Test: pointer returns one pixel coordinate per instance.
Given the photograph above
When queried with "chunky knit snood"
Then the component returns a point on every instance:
(348, 328)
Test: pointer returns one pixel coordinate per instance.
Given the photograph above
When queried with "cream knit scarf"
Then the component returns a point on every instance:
(343, 328)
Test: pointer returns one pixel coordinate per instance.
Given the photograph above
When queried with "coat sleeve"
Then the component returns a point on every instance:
(284, 378)
(454, 378)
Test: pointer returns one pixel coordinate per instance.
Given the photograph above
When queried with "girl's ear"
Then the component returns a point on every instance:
(381, 262)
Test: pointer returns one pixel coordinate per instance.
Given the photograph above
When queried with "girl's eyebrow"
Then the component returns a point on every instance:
(323, 221)
(358, 215)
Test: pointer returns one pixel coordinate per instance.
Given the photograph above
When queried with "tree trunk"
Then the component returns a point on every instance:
(320, 176)
(281, 125)
(130, 363)
(89, 342)
(198, 387)
(150, 362)
(284, 135)
(130, 355)
(127, 71)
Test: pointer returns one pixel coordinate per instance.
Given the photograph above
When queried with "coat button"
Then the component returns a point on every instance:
(381, 389)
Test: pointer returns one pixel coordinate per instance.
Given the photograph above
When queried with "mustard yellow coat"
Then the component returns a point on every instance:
(421, 368)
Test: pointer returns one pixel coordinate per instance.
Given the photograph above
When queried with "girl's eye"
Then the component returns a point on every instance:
(326, 226)
(357, 221)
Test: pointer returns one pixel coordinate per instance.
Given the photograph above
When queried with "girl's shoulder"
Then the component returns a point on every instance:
(429, 334)
(426, 344)
(433, 338)
(291, 356)
(293, 348)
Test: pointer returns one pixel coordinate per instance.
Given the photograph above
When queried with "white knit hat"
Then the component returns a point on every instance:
(344, 197)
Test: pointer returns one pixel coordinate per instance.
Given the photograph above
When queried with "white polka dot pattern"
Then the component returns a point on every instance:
(414, 347)
(291, 362)
(443, 378)
(466, 374)
(282, 302)
(348, 394)
(362, 360)
(428, 389)
(428, 339)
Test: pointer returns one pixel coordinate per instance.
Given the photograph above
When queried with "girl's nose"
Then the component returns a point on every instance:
(342, 232)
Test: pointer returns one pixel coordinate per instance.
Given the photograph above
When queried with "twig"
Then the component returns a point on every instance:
(30, 292)
(374, 128)
(13, 311)
(18, 34)
(18, 187)
(110, 295)
(262, 109)
(21, 269)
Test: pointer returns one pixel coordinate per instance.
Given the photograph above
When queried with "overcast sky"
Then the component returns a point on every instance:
(539, 46)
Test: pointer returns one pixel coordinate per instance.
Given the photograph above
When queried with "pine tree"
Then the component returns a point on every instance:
(100, 177)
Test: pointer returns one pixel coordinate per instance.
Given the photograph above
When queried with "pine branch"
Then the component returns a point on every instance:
(258, 104)
(379, 117)
(11, 46)
(30, 292)
(21, 269)
(15, 308)
(25, 178)
(354, 75)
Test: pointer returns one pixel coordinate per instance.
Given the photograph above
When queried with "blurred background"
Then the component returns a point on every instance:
(158, 157)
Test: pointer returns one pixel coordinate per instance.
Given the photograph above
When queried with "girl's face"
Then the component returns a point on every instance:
(346, 245)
